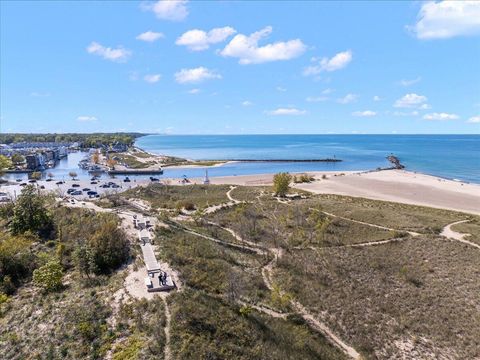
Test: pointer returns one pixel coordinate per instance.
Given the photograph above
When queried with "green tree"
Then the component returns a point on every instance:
(31, 214)
(18, 159)
(281, 183)
(5, 163)
(84, 260)
(49, 276)
(109, 246)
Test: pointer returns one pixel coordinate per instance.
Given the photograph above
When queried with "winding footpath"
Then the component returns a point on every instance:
(454, 235)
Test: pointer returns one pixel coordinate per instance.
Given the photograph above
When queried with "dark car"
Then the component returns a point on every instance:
(153, 179)
(114, 186)
(91, 193)
(86, 189)
(59, 182)
(77, 192)
(69, 191)
(93, 183)
(75, 185)
(49, 179)
(105, 186)
(42, 187)
(32, 181)
(18, 180)
(23, 184)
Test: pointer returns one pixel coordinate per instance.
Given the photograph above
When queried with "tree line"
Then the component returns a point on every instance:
(87, 140)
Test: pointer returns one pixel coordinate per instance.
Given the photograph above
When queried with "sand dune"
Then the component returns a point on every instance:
(390, 185)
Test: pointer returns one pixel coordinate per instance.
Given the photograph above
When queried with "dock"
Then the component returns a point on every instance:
(136, 172)
(156, 279)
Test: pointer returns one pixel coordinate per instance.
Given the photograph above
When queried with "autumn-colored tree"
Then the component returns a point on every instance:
(36, 175)
(96, 157)
(72, 174)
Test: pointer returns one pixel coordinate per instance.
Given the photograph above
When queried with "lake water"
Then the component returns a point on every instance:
(449, 156)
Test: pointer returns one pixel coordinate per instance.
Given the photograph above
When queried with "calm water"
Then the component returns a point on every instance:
(450, 156)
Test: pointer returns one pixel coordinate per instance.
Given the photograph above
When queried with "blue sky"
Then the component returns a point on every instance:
(267, 67)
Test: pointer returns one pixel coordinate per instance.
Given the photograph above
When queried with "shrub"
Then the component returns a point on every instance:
(281, 183)
(49, 276)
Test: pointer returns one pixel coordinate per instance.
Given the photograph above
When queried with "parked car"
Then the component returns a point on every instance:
(18, 180)
(32, 181)
(86, 189)
(23, 184)
(49, 179)
(42, 187)
(69, 191)
(91, 193)
(77, 192)
(114, 186)
(153, 179)
(59, 182)
(93, 183)
(75, 185)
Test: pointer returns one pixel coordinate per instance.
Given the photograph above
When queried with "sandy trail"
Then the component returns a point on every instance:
(454, 235)
(367, 224)
(168, 320)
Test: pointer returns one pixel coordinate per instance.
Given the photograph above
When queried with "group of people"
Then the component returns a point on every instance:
(162, 278)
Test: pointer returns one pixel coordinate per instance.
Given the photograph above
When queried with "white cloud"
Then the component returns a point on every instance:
(411, 101)
(281, 89)
(150, 36)
(119, 54)
(365, 113)
(474, 120)
(194, 91)
(152, 78)
(446, 19)
(286, 111)
(317, 98)
(173, 10)
(195, 75)
(86, 118)
(403, 113)
(440, 116)
(247, 103)
(327, 91)
(406, 82)
(347, 99)
(337, 62)
(377, 98)
(198, 40)
(246, 48)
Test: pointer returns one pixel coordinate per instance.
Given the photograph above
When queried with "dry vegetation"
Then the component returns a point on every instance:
(421, 291)
(417, 297)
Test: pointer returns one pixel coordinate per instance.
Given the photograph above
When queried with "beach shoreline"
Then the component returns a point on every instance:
(401, 186)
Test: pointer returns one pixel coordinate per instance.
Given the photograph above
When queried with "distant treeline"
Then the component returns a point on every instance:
(86, 140)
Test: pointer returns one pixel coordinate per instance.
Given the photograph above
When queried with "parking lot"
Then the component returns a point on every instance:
(77, 189)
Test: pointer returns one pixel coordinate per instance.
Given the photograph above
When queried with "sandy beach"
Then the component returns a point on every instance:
(389, 185)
